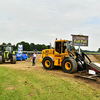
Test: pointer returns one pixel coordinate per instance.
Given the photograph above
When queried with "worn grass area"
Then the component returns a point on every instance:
(35, 85)
(97, 57)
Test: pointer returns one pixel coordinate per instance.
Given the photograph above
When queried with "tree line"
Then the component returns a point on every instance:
(39, 47)
(28, 47)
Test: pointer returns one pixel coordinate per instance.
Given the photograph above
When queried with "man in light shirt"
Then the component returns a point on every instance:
(34, 57)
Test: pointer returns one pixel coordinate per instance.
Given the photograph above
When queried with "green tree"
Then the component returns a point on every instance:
(44, 47)
(99, 50)
(40, 47)
(3, 43)
(32, 47)
(72, 47)
(9, 44)
(26, 46)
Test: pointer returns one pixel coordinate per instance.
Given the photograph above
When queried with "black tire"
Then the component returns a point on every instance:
(48, 63)
(13, 60)
(0, 59)
(69, 65)
(3, 61)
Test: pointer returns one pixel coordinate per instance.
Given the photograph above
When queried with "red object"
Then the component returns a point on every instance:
(94, 70)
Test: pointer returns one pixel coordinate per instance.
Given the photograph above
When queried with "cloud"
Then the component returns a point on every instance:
(41, 21)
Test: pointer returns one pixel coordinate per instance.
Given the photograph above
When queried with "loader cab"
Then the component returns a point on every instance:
(7, 48)
(58, 47)
(62, 45)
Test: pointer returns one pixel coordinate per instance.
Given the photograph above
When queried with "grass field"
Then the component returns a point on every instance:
(18, 84)
(92, 53)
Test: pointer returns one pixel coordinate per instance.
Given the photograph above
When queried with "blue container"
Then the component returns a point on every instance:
(19, 57)
(24, 56)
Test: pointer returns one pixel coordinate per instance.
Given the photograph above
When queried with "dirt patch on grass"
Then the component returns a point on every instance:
(97, 57)
(31, 94)
(93, 58)
(11, 88)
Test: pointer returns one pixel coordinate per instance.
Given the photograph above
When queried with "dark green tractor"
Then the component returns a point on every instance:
(7, 54)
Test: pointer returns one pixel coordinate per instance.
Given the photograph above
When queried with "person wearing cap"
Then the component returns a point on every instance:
(34, 57)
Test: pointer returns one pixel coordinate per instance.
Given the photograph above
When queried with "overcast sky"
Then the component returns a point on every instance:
(41, 21)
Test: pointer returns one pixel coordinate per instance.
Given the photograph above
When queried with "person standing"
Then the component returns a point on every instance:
(34, 57)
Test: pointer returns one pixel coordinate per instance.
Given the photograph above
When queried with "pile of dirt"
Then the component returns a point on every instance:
(93, 58)
(97, 57)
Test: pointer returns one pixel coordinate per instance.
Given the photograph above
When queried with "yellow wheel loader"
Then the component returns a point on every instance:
(61, 56)
(69, 60)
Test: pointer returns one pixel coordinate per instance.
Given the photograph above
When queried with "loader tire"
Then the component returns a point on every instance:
(0, 59)
(48, 63)
(13, 59)
(3, 61)
(69, 65)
